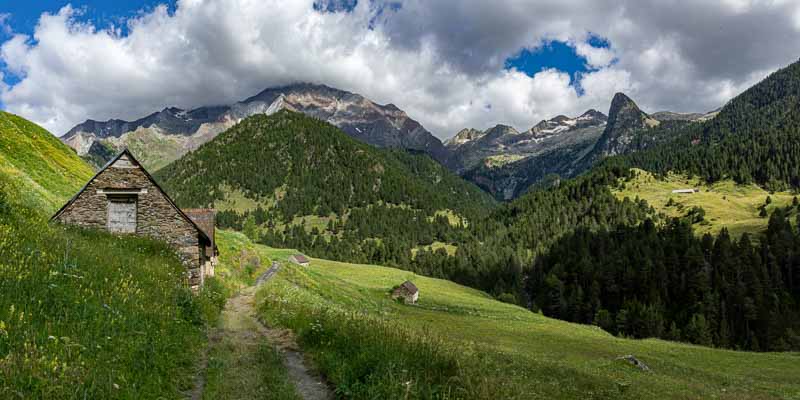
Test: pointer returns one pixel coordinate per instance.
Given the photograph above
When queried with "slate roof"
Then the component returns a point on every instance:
(300, 258)
(205, 218)
(410, 287)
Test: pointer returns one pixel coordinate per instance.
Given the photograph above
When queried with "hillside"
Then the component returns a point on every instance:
(300, 182)
(47, 171)
(460, 342)
(84, 314)
(753, 139)
(510, 180)
(303, 166)
(627, 251)
(725, 204)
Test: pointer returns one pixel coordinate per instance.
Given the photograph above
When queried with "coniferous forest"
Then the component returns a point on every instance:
(644, 281)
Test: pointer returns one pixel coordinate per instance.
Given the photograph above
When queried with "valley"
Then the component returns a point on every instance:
(460, 341)
(545, 259)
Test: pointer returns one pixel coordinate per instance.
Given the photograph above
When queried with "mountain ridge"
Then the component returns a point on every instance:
(626, 129)
(502, 142)
(185, 130)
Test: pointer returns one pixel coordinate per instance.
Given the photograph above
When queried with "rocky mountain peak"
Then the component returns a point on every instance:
(560, 118)
(561, 124)
(499, 131)
(621, 102)
(359, 117)
(594, 115)
(464, 136)
(624, 120)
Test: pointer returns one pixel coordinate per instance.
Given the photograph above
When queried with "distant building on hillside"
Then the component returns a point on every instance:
(123, 198)
(407, 291)
(684, 191)
(299, 259)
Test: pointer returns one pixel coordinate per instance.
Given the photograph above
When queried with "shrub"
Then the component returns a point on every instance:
(211, 299)
(696, 215)
(507, 298)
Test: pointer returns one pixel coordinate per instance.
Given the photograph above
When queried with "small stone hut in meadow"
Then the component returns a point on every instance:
(299, 259)
(124, 198)
(407, 291)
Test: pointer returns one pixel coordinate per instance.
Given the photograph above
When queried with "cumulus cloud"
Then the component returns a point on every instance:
(441, 61)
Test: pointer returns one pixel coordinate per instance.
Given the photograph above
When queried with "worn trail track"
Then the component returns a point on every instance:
(240, 324)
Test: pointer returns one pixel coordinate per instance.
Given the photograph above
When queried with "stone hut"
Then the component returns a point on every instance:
(299, 259)
(124, 198)
(407, 291)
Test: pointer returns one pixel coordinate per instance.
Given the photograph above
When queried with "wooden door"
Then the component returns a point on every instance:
(122, 215)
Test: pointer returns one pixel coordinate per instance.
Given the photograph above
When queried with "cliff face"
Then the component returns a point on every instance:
(624, 120)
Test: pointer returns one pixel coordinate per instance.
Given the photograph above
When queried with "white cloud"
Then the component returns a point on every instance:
(596, 57)
(441, 61)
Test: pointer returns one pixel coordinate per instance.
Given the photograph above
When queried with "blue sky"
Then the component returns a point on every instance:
(24, 14)
(558, 55)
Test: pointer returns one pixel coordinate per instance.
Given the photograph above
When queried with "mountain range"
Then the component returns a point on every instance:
(165, 136)
(501, 160)
(571, 146)
(501, 144)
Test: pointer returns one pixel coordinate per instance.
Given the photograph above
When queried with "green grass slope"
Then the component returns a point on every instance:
(49, 171)
(726, 204)
(85, 314)
(459, 343)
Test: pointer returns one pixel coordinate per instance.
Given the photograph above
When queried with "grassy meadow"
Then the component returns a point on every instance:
(726, 204)
(460, 343)
(85, 314)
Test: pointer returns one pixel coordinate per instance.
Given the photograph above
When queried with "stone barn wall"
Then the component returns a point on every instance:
(155, 215)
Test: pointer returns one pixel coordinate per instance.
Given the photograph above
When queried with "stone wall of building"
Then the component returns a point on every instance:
(155, 215)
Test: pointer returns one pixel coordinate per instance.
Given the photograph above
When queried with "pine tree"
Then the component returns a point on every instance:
(697, 331)
(250, 229)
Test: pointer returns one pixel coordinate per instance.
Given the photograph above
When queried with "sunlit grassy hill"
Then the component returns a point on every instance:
(726, 204)
(46, 170)
(460, 343)
(84, 314)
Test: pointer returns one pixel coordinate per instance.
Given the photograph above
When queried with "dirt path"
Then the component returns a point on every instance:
(238, 338)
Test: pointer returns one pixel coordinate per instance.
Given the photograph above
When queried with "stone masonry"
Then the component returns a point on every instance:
(156, 215)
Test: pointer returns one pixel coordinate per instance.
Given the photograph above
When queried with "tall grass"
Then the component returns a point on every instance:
(88, 315)
(368, 357)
